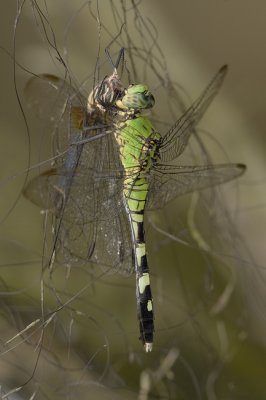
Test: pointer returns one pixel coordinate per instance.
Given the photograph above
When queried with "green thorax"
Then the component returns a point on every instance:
(135, 133)
(138, 143)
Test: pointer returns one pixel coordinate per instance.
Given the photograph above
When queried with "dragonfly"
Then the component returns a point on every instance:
(110, 166)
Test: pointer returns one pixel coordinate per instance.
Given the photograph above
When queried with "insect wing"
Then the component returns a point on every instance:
(106, 244)
(91, 223)
(167, 182)
(50, 96)
(41, 190)
(176, 139)
(61, 107)
(81, 198)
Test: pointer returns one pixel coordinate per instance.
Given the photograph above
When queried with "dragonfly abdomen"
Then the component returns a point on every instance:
(133, 155)
(143, 289)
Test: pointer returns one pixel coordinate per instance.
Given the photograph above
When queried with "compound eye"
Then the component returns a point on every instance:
(150, 101)
(137, 89)
(138, 100)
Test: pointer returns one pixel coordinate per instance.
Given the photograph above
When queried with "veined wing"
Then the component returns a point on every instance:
(90, 224)
(105, 243)
(176, 139)
(84, 191)
(62, 108)
(56, 101)
(167, 182)
(50, 97)
(58, 104)
(81, 198)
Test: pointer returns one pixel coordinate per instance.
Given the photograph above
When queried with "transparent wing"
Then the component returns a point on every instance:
(106, 243)
(73, 197)
(91, 224)
(50, 97)
(176, 139)
(84, 190)
(63, 109)
(168, 182)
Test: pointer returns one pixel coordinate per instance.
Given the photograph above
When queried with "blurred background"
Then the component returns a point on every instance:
(210, 294)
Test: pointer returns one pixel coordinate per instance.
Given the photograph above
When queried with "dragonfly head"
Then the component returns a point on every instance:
(136, 97)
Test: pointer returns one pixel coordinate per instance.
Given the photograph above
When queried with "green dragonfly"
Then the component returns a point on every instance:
(110, 166)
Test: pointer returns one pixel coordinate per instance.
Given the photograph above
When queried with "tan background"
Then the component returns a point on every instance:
(197, 37)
